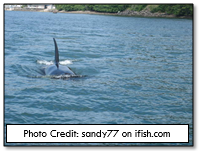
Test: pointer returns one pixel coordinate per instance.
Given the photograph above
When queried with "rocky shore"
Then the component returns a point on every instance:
(87, 12)
(143, 13)
(147, 13)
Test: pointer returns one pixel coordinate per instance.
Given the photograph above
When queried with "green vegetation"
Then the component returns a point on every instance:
(178, 10)
(110, 8)
(71, 7)
(137, 7)
(175, 9)
(98, 8)
(23, 6)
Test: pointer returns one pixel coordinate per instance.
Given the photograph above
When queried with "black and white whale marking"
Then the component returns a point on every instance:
(56, 69)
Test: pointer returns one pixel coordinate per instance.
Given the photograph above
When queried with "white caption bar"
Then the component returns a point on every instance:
(96, 133)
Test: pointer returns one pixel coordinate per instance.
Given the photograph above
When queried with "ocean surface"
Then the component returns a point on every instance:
(131, 70)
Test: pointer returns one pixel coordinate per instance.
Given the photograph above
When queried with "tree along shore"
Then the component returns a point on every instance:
(169, 11)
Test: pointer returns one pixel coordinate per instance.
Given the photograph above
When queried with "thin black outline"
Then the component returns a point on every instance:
(133, 145)
(96, 124)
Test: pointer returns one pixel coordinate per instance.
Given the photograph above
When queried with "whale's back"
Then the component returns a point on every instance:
(62, 70)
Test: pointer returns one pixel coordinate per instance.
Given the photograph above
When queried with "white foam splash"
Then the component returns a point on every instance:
(65, 62)
(45, 62)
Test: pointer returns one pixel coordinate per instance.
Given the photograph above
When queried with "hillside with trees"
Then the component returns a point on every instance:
(90, 7)
(170, 9)
(178, 10)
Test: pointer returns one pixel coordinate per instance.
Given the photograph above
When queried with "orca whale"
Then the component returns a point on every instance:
(56, 69)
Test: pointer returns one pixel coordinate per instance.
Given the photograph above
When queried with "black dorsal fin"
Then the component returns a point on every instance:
(56, 54)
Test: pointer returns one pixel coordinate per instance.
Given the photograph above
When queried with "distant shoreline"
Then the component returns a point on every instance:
(86, 12)
(124, 13)
(129, 13)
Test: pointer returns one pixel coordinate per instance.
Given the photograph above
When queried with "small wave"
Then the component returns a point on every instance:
(66, 76)
(59, 77)
(45, 62)
(25, 70)
(65, 62)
